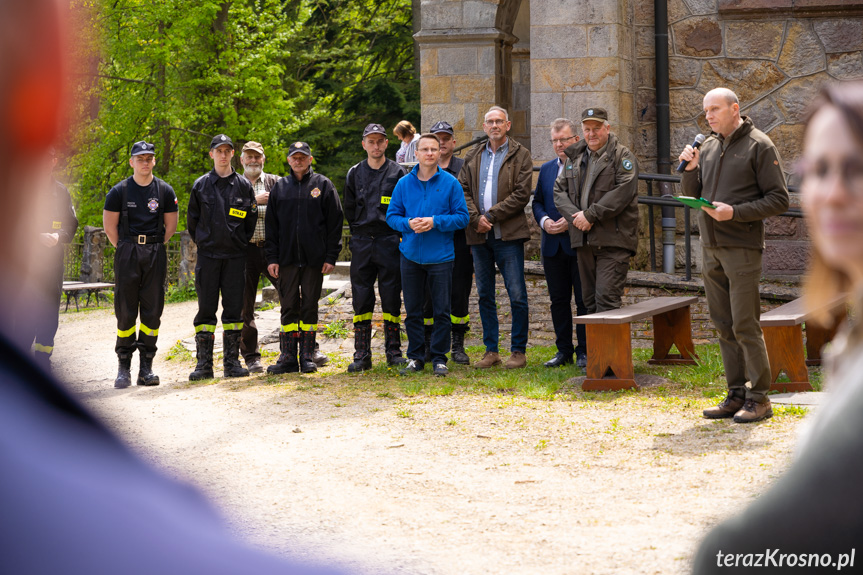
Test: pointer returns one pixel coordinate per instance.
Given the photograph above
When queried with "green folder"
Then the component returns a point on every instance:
(696, 203)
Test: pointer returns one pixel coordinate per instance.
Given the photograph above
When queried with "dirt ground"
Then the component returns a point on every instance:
(465, 483)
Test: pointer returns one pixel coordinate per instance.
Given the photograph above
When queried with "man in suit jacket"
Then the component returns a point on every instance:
(558, 258)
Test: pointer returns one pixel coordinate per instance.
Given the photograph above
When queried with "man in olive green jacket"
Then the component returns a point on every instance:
(496, 178)
(597, 192)
(739, 170)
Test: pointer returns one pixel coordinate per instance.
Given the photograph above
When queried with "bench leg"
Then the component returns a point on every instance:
(673, 328)
(817, 337)
(785, 352)
(609, 347)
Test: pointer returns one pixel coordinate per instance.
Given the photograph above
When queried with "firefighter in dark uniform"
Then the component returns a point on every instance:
(374, 249)
(140, 216)
(304, 238)
(38, 325)
(221, 220)
(462, 268)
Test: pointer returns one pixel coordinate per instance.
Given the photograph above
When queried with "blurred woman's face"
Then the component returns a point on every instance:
(832, 190)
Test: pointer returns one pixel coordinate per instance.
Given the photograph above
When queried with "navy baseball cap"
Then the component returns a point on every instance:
(299, 148)
(143, 147)
(374, 129)
(220, 140)
(442, 127)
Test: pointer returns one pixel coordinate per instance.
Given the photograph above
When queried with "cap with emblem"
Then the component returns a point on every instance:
(221, 140)
(442, 127)
(299, 148)
(253, 147)
(143, 147)
(598, 114)
(374, 129)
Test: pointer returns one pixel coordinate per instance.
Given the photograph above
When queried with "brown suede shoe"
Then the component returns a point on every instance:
(489, 359)
(516, 360)
(729, 406)
(754, 411)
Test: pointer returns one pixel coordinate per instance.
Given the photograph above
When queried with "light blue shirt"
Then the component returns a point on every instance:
(489, 167)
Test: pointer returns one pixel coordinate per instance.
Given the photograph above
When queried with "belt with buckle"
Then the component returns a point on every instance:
(142, 239)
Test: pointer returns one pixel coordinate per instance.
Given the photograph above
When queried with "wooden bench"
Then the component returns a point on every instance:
(783, 335)
(609, 340)
(74, 289)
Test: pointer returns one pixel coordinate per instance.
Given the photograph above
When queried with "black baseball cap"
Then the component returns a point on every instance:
(598, 114)
(442, 127)
(220, 140)
(143, 147)
(374, 129)
(299, 148)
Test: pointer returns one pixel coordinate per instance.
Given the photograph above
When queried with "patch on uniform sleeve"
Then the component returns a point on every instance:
(386, 199)
(56, 225)
(316, 192)
(627, 165)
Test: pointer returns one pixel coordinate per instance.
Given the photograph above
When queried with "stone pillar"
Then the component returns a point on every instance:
(581, 56)
(93, 257)
(465, 64)
(188, 258)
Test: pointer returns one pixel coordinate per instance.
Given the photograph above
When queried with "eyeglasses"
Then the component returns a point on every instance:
(561, 140)
(495, 122)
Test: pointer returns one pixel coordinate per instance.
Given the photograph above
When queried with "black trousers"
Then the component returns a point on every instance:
(561, 275)
(39, 320)
(256, 265)
(300, 290)
(139, 286)
(376, 258)
(212, 277)
(462, 282)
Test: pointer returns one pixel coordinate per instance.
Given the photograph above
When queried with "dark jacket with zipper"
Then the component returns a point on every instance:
(744, 171)
(303, 222)
(513, 193)
(367, 197)
(612, 205)
(222, 215)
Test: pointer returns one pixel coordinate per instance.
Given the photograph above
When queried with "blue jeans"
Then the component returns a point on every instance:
(509, 257)
(438, 278)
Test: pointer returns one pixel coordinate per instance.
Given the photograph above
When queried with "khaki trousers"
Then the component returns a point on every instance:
(731, 278)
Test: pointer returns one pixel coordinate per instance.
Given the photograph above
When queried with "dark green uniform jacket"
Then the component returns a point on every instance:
(744, 171)
(612, 206)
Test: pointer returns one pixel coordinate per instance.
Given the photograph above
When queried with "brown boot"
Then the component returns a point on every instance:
(516, 360)
(753, 410)
(729, 406)
(489, 359)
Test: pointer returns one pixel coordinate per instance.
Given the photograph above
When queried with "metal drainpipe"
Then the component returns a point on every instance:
(663, 132)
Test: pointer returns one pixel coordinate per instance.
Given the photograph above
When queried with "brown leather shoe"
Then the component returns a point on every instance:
(489, 359)
(754, 411)
(729, 406)
(516, 360)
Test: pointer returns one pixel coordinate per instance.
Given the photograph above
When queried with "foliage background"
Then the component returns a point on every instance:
(276, 71)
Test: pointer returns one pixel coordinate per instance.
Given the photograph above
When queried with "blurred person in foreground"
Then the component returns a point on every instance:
(74, 498)
(812, 517)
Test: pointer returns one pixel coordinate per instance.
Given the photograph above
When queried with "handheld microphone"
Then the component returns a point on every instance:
(698, 140)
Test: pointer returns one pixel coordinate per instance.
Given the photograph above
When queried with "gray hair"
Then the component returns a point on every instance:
(496, 109)
(562, 123)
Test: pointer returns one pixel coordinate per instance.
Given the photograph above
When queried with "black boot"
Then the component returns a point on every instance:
(43, 360)
(393, 343)
(204, 342)
(428, 332)
(320, 359)
(362, 348)
(287, 362)
(145, 370)
(124, 371)
(307, 352)
(231, 354)
(458, 353)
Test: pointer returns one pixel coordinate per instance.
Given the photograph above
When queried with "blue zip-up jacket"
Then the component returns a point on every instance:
(442, 198)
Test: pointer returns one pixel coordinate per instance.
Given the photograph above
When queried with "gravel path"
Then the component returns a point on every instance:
(460, 484)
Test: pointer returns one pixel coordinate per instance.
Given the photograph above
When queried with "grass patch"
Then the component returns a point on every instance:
(336, 329)
(180, 292)
(179, 353)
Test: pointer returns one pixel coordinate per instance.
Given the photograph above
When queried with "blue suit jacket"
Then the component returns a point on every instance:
(543, 205)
